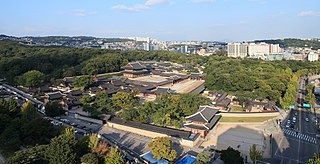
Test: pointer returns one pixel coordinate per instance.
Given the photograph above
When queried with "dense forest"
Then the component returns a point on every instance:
(251, 78)
(58, 62)
(292, 42)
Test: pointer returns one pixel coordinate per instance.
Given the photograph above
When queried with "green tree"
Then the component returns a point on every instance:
(4, 121)
(168, 111)
(53, 109)
(32, 78)
(114, 157)
(82, 146)
(62, 148)
(289, 97)
(203, 157)
(90, 158)
(315, 159)
(93, 141)
(104, 103)
(31, 155)
(161, 148)
(231, 156)
(124, 100)
(255, 154)
(36, 131)
(82, 82)
(28, 111)
(144, 112)
(10, 138)
(189, 103)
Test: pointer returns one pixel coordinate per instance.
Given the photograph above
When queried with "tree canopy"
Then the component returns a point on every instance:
(255, 154)
(161, 148)
(231, 156)
(114, 157)
(203, 157)
(53, 109)
(32, 78)
(315, 159)
(22, 128)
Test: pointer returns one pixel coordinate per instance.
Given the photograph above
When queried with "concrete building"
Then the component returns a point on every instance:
(260, 50)
(237, 50)
(275, 49)
(313, 56)
(253, 50)
(146, 46)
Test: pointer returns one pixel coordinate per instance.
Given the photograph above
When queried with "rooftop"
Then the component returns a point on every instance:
(164, 130)
(204, 114)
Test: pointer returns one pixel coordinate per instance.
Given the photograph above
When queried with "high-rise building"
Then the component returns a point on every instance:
(275, 49)
(146, 46)
(313, 56)
(184, 49)
(237, 50)
(253, 50)
(260, 50)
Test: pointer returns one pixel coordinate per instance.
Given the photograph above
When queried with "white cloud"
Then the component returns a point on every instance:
(155, 2)
(82, 13)
(309, 14)
(139, 7)
(126, 8)
(201, 1)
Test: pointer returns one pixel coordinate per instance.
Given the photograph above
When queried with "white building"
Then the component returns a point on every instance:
(146, 46)
(237, 50)
(260, 50)
(253, 50)
(313, 56)
(275, 49)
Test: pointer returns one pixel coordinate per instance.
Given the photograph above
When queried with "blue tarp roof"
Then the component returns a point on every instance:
(149, 157)
(187, 160)
(306, 105)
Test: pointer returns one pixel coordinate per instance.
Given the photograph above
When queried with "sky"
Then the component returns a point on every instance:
(175, 20)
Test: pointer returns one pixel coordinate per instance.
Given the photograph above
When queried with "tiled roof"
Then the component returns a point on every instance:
(134, 66)
(204, 114)
(164, 130)
(55, 96)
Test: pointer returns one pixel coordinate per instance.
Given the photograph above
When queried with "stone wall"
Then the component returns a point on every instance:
(181, 141)
(77, 116)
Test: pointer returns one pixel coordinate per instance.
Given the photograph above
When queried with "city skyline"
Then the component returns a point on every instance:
(219, 20)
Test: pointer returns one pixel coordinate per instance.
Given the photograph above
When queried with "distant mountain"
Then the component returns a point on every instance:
(292, 42)
(67, 41)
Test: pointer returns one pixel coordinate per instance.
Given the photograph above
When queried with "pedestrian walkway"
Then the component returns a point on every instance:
(300, 136)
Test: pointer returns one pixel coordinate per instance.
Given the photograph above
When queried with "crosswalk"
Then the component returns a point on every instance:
(300, 136)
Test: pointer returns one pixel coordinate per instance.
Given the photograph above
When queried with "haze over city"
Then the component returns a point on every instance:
(220, 20)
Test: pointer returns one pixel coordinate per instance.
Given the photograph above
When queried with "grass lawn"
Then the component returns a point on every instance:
(245, 119)
(236, 108)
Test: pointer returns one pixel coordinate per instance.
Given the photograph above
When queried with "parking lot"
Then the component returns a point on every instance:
(134, 142)
(81, 127)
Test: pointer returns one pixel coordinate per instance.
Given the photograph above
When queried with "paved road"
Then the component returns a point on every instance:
(297, 143)
(20, 93)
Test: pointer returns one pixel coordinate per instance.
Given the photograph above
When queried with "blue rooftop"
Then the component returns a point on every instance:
(149, 157)
(187, 160)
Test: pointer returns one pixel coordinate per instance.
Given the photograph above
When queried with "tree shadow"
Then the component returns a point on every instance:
(286, 145)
